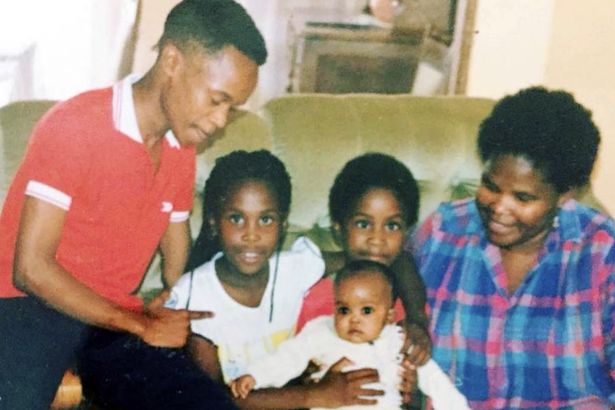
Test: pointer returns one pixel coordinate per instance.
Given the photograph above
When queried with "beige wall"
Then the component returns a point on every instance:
(582, 59)
(510, 46)
(150, 23)
(565, 44)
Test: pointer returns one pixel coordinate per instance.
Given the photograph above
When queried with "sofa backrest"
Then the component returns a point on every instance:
(315, 135)
(16, 122)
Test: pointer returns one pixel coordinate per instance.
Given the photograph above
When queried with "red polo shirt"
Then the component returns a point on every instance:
(87, 157)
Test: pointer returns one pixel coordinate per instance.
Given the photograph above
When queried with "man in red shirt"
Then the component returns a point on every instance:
(107, 179)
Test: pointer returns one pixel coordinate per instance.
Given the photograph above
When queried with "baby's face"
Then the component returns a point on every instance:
(362, 307)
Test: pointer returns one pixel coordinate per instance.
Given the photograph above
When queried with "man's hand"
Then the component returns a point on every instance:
(338, 388)
(168, 327)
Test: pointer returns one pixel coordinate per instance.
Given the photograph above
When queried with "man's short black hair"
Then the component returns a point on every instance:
(213, 25)
(549, 129)
(369, 171)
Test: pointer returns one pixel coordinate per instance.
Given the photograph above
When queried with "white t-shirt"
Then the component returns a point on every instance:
(241, 333)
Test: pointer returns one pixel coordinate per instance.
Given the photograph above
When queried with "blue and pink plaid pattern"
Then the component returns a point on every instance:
(551, 344)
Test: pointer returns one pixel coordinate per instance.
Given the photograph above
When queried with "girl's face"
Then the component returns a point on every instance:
(249, 228)
(516, 203)
(375, 230)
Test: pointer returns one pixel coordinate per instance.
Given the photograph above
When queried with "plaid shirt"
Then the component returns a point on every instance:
(551, 344)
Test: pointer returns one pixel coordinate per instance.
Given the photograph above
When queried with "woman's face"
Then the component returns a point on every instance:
(516, 203)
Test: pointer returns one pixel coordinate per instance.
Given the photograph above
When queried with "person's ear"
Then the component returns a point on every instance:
(336, 231)
(213, 227)
(171, 59)
(391, 316)
(284, 228)
(282, 233)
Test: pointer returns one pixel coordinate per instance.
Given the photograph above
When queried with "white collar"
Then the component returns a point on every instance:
(124, 115)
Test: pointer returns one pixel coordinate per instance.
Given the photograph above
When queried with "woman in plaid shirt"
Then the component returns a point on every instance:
(520, 283)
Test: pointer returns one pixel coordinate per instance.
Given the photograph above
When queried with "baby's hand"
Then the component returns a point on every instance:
(241, 386)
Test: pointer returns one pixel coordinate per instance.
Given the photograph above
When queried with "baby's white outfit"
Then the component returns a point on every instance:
(318, 341)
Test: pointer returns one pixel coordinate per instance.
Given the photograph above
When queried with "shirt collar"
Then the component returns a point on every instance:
(124, 114)
(567, 223)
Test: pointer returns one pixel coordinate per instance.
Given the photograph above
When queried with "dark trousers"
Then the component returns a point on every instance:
(118, 371)
(37, 344)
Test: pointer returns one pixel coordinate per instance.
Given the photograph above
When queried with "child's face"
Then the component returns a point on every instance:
(249, 227)
(375, 230)
(362, 307)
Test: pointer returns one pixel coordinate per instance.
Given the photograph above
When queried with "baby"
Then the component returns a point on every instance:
(362, 331)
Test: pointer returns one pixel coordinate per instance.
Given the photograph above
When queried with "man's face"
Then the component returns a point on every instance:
(202, 90)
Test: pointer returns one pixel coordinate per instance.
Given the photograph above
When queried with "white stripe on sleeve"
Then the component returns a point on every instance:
(48, 194)
(179, 216)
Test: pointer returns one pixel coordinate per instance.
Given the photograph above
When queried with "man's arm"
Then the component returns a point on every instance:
(37, 273)
(174, 246)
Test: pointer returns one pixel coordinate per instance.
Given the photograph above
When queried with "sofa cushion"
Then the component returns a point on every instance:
(16, 122)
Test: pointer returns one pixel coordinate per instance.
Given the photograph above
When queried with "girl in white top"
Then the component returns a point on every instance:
(360, 331)
(253, 288)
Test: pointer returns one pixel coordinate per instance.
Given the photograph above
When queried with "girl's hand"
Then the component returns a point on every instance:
(416, 352)
(306, 377)
(408, 380)
(241, 386)
(417, 348)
